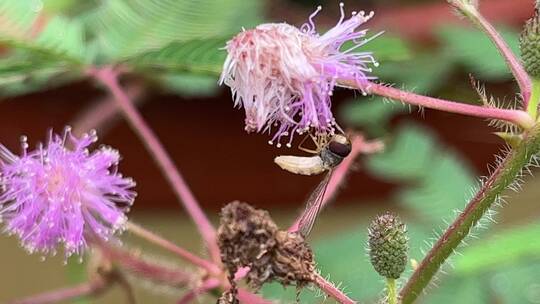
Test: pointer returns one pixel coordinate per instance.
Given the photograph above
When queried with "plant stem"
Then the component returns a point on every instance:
(332, 291)
(518, 117)
(247, 297)
(166, 244)
(512, 61)
(109, 78)
(152, 271)
(535, 99)
(195, 292)
(85, 289)
(392, 292)
(102, 113)
(502, 177)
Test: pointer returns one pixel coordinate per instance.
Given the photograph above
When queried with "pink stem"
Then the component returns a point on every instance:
(194, 293)
(108, 77)
(145, 269)
(521, 76)
(359, 145)
(518, 117)
(85, 289)
(102, 113)
(332, 291)
(247, 297)
(166, 244)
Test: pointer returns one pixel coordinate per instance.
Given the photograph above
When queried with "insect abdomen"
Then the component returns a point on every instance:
(300, 164)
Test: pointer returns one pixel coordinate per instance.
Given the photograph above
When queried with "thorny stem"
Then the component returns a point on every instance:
(166, 244)
(359, 146)
(392, 292)
(535, 99)
(518, 117)
(332, 290)
(512, 61)
(133, 262)
(247, 297)
(109, 78)
(502, 177)
(203, 288)
(93, 287)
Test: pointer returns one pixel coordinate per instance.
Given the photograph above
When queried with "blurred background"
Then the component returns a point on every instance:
(432, 162)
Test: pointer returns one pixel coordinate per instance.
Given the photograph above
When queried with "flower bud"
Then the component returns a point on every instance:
(388, 245)
(530, 45)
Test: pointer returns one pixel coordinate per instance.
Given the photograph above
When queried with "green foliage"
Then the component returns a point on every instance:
(200, 56)
(76, 273)
(372, 115)
(178, 40)
(126, 28)
(436, 179)
(475, 51)
(518, 245)
(17, 18)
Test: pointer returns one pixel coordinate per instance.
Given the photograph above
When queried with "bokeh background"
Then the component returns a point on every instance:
(430, 167)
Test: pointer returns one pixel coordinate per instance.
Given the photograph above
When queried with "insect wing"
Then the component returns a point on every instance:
(313, 206)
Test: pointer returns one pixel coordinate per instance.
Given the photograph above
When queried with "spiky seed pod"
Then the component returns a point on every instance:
(530, 45)
(388, 245)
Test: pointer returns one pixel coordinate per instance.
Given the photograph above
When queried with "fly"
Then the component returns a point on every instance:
(329, 154)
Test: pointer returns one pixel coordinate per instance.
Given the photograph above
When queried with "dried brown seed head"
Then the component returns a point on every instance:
(228, 297)
(249, 237)
(293, 260)
(245, 235)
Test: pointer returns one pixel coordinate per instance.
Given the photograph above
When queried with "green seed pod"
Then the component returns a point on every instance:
(388, 245)
(530, 45)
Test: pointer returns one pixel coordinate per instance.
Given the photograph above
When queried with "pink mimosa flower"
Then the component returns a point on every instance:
(61, 193)
(284, 76)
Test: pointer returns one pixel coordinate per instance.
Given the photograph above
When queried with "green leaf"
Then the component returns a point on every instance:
(34, 79)
(17, 18)
(76, 273)
(470, 290)
(372, 115)
(473, 48)
(202, 56)
(186, 84)
(435, 179)
(510, 246)
(419, 74)
(406, 156)
(61, 39)
(388, 48)
(126, 28)
(517, 284)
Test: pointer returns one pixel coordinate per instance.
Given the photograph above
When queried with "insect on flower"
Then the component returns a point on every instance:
(329, 153)
(284, 76)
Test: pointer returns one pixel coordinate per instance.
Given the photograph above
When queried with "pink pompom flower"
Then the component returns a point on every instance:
(61, 193)
(284, 76)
